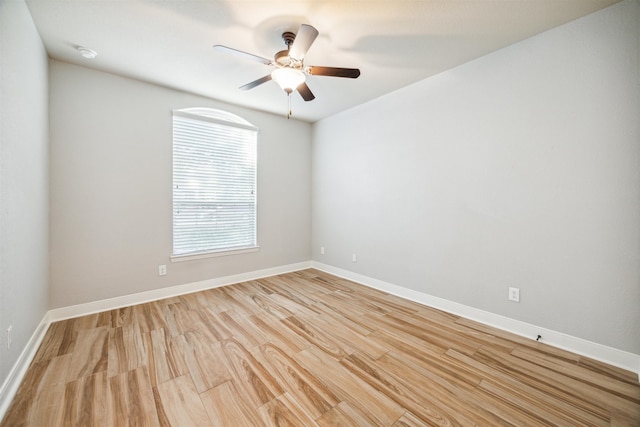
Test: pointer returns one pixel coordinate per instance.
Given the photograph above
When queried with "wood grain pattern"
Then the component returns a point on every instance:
(45, 383)
(90, 353)
(85, 401)
(308, 349)
(130, 400)
(181, 404)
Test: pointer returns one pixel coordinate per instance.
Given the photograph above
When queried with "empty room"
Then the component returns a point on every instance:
(319, 213)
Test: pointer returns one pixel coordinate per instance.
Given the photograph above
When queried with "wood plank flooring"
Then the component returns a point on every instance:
(308, 349)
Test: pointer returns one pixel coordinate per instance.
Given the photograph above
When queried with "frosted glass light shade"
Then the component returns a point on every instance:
(288, 78)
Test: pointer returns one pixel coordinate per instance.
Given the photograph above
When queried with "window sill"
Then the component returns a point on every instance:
(213, 254)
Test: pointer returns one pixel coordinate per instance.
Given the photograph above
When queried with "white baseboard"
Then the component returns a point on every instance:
(172, 291)
(12, 382)
(612, 356)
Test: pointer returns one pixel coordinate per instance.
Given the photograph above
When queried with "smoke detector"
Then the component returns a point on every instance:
(86, 52)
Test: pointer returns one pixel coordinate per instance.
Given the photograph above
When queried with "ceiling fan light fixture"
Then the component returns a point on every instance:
(288, 78)
(290, 73)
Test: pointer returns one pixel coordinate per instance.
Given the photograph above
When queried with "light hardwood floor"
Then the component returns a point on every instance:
(308, 349)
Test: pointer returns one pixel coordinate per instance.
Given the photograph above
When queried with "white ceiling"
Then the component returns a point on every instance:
(393, 42)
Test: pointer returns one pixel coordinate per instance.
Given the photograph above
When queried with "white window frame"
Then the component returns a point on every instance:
(195, 129)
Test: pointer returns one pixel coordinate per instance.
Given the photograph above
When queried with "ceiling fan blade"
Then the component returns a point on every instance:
(256, 82)
(303, 41)
(305, 92)
(351, 73)
(242, 54)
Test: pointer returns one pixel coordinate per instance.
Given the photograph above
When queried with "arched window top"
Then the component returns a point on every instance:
(215, 115)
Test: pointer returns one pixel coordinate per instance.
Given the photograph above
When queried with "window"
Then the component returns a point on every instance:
(214, 183)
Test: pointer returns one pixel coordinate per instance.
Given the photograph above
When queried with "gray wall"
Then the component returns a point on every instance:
(521, 168)
(111, 188)
(24, 187)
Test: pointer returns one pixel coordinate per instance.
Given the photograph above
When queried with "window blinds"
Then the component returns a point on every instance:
(214, 184)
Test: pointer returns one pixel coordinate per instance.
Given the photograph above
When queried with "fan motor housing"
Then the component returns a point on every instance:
(282, 58)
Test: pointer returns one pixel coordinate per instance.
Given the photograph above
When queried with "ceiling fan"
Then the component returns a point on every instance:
(290, 72)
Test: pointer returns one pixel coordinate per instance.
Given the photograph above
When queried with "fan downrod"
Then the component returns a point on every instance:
(282, 57)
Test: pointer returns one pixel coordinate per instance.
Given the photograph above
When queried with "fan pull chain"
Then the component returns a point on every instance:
(289, 100)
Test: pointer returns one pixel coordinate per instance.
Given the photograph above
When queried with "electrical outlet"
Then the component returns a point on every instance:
(9, 329)
(354, 258)
(162, 270)
(321, 250)
(514, 294)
